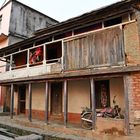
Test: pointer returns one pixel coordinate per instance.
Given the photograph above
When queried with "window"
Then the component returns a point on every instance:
(102, 95)
(42, 41)
(132, 16)
(113, 21)
(19, 60)
(88, 28)
(36, 55)
(53, 52)
(63, 35)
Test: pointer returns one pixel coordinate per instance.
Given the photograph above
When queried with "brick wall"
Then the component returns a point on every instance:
(133, 87)
(135, 96)
(40, 115)
(37, 114)
(131, 42)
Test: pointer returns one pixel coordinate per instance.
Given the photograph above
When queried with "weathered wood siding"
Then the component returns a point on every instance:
(103, 48)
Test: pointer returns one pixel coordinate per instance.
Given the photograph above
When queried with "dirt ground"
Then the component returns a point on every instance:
(60, 132)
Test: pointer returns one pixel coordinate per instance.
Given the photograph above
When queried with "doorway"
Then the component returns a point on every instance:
(102, 94)
(56, 98)
(22, 99)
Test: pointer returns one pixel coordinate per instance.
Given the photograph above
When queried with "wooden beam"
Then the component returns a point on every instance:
(60, 79)
(47, 103)
(12, 102)
(96, 73)
(125, 79)
(92, 89)
(65, 103)
(30, 102)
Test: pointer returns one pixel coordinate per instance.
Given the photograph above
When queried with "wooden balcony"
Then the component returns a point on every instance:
(37, 70)
(105, 47)
(98, 49)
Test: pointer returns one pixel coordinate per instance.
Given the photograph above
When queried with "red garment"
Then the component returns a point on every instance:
(38, 51)
(34, 56)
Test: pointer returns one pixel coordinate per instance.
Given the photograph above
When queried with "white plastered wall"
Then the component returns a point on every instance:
(117, 89)
(38, 96)
(5, 12)
(78, 95)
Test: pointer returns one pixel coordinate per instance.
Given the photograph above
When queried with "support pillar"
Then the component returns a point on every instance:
(11, 62)
(44, 54)
(30, 102)
(28, 58)
(127, 127)
(12, 102)
(65, 103)
(92, 90)
(47, 102)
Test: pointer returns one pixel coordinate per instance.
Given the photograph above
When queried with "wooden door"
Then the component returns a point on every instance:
(22, 99)
(56, 98)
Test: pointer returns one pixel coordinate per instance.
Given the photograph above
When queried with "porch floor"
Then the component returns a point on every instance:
(72, 132)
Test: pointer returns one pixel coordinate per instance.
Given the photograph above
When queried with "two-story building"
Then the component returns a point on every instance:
(86, 61)
(18, 22)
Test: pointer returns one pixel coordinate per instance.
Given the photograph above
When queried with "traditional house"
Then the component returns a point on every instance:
(86, 61)
(18, 22)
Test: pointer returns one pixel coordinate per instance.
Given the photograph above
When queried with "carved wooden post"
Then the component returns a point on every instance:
(47, 102)
(92, 89)
(65, 103)
(126, 104)
(12, 102)
(30, 102)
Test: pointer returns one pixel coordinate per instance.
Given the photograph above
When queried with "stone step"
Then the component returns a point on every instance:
(6, 133)
(2, 137)
(4, 113)
(30, 137)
